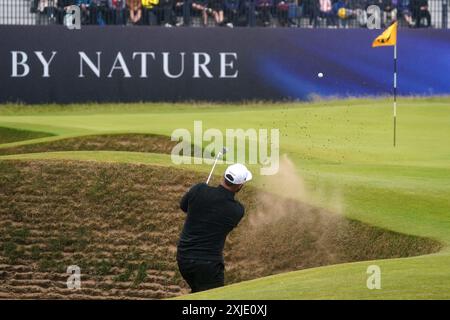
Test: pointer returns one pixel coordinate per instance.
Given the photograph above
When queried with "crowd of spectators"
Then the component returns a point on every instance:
(169, 13)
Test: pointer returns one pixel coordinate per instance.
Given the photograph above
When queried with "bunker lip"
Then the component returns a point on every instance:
(281, 234)
(135, 142)
(9, 135)
(120, 224)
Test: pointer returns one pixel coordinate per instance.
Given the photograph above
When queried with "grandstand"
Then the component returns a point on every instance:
(230, 13)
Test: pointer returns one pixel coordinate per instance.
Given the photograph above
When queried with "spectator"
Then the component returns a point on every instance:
(282, 12)
(311, 10)
(389, 8)
(403, 11)
(34, 4)
(166, 13)
(150, 12)
(287, 12)
(231, 10)
(202, 6)
(237, 12)
(358, 8)
(84, 9)
(294, 11)
(98, 11)
(48, 11)
(263, 8)
(341, 10)
(216, 11)
(326, 11)
(117, 12)
(62, 5)
(184, 11)
(419, 9)
(135, 11)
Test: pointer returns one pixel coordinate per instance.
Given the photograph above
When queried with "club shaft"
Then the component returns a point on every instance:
(214, 165)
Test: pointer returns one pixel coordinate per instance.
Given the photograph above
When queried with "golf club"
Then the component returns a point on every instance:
(220, 153)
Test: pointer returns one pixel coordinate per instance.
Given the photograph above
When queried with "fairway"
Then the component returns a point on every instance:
(341, 149)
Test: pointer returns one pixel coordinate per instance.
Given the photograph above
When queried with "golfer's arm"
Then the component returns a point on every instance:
(241, 214)
(184, 202)
(188, 196)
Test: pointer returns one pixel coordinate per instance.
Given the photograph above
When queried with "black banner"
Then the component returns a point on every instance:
(52, 64)
(126, 64)
(219, 309)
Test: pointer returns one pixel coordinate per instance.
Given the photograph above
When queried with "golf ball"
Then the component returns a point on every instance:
(320, 74)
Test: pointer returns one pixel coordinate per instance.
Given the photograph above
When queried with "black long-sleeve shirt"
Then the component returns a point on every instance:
(212, 212)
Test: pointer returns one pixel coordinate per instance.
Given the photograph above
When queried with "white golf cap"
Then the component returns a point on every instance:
(237, 174)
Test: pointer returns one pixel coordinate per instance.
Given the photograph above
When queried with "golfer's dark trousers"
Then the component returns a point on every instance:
(202, 275)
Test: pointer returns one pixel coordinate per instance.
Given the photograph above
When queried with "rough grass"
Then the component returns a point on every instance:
(120, 224)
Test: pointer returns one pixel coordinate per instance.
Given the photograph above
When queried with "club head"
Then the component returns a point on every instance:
(222, 152)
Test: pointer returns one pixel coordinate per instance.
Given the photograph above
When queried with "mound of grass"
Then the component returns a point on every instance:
(97, 225)
(120, 223)
(108, 142)
(8, 135)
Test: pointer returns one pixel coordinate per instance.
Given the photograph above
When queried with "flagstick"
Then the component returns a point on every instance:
(395, 93)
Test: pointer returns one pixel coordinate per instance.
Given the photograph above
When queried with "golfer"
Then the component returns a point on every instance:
(212, 212)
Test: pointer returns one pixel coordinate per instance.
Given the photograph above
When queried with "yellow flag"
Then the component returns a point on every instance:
(387, 38)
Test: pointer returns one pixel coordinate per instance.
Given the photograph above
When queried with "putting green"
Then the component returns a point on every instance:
(342, 147)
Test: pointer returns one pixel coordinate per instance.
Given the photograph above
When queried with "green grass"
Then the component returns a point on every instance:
(400, 279)
(339, 147)
(9, 135)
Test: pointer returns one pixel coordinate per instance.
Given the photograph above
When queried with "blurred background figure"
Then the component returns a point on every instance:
(216, 11)
(231, 12)
(135, 11)
(167, 17)
(285, 13)
(98, 12)
(47, 11)
(326, 12)
(389, 10)
(263, 12)
(201, 6)
(84, 9)
(419, 10)
(311, 11)
(404, 12)
(117, 12)
(150, 12)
